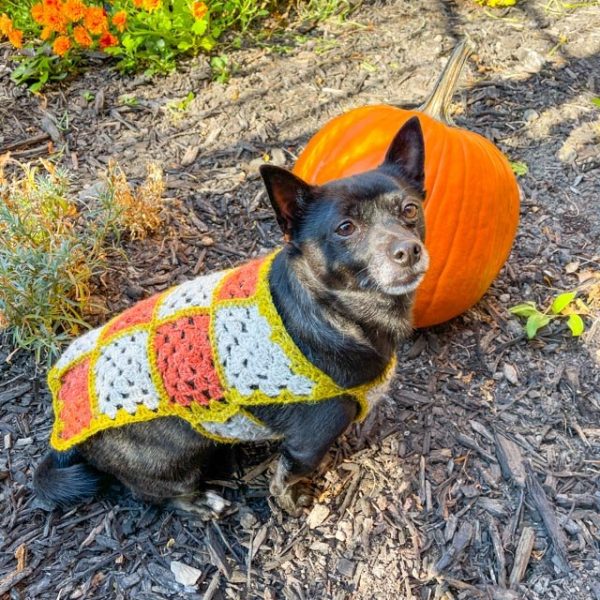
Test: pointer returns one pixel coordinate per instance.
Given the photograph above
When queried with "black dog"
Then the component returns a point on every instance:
(343, 286)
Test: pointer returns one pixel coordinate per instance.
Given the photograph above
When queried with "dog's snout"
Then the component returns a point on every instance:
(406, 253)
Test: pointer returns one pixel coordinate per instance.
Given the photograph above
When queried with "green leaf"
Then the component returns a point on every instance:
(536, 322)
(199, 27)
(562, 301)
(525, 309)
(576, 325)
(596, 102)
(519, 168)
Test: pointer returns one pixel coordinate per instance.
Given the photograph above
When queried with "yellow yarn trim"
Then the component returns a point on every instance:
(219, 410)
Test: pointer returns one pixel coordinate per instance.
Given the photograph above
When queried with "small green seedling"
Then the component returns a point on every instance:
(564, 306)
(596, 102)
(88, 96)
(221, 68)
(519, 168)
(181, 105)
(129, 100)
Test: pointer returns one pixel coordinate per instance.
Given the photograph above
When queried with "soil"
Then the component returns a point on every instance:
(478, 477)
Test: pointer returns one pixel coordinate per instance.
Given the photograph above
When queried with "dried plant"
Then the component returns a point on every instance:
(140, 208)
(51, 246)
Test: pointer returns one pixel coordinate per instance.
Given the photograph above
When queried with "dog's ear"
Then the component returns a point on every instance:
(407, 153)
(288, 195)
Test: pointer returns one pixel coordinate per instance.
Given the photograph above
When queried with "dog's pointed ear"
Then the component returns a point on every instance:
(288, 195)
(407, 153)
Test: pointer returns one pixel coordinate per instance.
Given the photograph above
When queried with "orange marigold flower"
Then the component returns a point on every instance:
(151, 5)
(74, 10)
(46, 33)
(15, 37)
(62, 44)
(199, 10)
(6, 25)
(37, 12)
(95, 20)
(108, 39)
(120, 20)
(82, 37)
(55, 21)
(138, 3)
(53, 4)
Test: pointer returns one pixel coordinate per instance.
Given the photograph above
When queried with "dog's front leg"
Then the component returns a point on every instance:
(308, 430)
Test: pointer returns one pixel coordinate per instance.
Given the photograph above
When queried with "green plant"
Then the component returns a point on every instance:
(129, 100)
(221, 69)
(51, 248)
(181, 105)
(158, 31)
(319, 10)
(564, 306)
(141, 34)
(519, 168)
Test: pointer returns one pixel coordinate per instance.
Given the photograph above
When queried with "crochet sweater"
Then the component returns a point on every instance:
(202, 351)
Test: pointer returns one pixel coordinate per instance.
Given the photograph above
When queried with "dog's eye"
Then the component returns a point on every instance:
(410, 211)
(345, 228)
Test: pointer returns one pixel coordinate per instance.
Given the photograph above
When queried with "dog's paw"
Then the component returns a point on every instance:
(208, 505)
(294, 499)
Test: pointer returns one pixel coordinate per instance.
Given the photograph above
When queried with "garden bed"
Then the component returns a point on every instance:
(488, 443)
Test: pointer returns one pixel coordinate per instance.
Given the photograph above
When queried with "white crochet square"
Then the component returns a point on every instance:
(240, 427)
(194, 293)
(84, 343)
(122, 375)
(250, 359)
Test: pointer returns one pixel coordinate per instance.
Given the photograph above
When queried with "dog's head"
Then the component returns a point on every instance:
(361, 232)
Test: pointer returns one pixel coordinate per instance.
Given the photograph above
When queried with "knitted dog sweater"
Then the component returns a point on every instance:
(202, 351)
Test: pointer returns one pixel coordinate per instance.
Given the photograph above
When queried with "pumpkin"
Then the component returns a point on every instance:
(472, 196)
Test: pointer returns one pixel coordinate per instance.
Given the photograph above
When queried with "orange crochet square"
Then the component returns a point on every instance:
(185, 361)
(74, 396)
(242, 282)
(139, 313)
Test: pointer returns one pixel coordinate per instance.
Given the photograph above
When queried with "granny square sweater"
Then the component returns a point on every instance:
(203, 351)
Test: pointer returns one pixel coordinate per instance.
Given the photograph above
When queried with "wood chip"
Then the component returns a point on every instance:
(494, 507)
(510, 459)
(538, 497)
(459, 543)
(346, 567)
(190, 155)
(499, 553)
(217, 553)
(522, 556)
(184, 574)
(317, 515)
(469, 442)
(511, 374)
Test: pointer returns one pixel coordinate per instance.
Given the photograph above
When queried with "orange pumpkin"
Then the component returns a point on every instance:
(472, 196)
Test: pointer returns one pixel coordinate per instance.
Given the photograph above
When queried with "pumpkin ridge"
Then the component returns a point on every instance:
(480, 212)
(424, 306)
(496, 168)
(502, 166)
(448, 262)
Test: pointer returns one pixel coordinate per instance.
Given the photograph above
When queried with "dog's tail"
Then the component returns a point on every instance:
(65, 478)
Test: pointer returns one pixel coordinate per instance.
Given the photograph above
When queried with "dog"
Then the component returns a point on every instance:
(294, 347)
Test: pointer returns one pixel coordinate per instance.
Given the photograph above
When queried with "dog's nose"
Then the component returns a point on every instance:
(405, 252)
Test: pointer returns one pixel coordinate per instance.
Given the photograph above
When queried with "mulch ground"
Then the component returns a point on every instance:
(478, 477)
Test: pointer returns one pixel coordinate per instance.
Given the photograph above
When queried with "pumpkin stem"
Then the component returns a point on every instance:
(437, 103)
